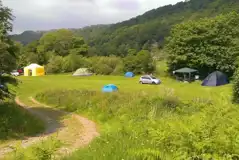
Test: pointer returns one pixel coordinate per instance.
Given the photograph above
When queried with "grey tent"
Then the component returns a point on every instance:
(185, 70)
(187, 73)
(82, 72)
(216, 78)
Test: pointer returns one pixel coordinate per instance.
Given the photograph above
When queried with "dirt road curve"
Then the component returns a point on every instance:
(73, 130)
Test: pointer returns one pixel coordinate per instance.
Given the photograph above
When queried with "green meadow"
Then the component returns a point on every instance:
(173, 120)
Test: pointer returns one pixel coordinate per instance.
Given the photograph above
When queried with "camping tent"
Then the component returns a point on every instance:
(34, 70)
(82, 72)
(216, 78)
(129, 74)
(185, 72)
(110, 88)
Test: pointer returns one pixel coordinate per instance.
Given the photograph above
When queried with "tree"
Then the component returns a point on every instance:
(105, 65)
(207, 45)
(132, 52)
(235, 95)
(72, 62)
(79, 46)
(7, 47)
(62, 42)
(55, 65)
(142, 62)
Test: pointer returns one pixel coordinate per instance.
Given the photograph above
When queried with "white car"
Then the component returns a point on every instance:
(15, 73)
(147, 79)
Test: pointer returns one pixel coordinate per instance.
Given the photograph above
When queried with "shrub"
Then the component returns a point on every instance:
(105, 65)
(17, 123)
(72, 62)
(235, 87)
(55, 65)
(142, 62)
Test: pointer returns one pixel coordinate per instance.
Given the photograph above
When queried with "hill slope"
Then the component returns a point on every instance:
(86, 32)
(150, 28)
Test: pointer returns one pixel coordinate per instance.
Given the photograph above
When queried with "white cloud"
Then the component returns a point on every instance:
(48, 14)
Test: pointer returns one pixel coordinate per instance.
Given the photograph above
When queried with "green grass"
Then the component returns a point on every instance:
(45, 150)
(170, 121)
(16, 123)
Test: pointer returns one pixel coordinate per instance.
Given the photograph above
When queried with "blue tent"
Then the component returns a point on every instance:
(109, 88)
(216, 78)
(129, 74)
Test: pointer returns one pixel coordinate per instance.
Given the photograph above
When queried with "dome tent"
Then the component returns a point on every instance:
(110, 88)
(34, 70)
(129, 74)
(216, 78)
(82, 72)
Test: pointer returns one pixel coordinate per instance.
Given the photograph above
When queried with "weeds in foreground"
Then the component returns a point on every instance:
(41, 151)
(16, 123)
(142, 126)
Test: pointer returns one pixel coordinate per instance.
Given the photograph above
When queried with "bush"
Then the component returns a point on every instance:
(106, 65)
(17, 123)
(235, 87)
(55, 65)
(142, 62)
(72, 62)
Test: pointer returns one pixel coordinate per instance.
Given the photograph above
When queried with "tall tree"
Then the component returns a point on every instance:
(62, 42)
(207, 44)
(7, 47)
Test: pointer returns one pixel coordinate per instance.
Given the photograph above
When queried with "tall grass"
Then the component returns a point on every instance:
(139, 125)
(16, 123)
(45, 150)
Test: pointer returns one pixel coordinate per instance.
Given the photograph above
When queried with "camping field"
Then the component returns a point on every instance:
(30, 86)
(172, 120)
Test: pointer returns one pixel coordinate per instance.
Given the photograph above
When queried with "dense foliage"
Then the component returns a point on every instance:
(143, 31)
(102, 65)
(8, 49)
(235, 88)
(61, 51)
(56, 43)
(16, 123)
(140, 62)
(208, 44)
(143, 126)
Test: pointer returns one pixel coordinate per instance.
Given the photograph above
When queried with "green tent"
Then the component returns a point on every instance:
(187, 74)
(82, 72)
(185, 70)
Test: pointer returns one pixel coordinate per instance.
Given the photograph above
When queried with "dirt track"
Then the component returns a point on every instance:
(72, 129)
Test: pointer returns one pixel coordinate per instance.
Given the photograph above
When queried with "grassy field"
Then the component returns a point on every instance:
(170, 121)
(32, 85)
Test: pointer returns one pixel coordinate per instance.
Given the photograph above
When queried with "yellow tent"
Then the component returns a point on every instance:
(34, 70)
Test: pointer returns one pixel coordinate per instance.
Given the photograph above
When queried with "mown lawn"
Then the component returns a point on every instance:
(170, 121)
(32, 85)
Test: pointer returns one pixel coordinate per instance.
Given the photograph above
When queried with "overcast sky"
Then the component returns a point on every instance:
(53, 14)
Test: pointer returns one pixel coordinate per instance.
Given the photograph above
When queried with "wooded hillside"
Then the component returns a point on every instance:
(144, 30)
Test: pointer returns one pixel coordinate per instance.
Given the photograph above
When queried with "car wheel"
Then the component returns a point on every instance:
(141, 82)
(154, 83)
